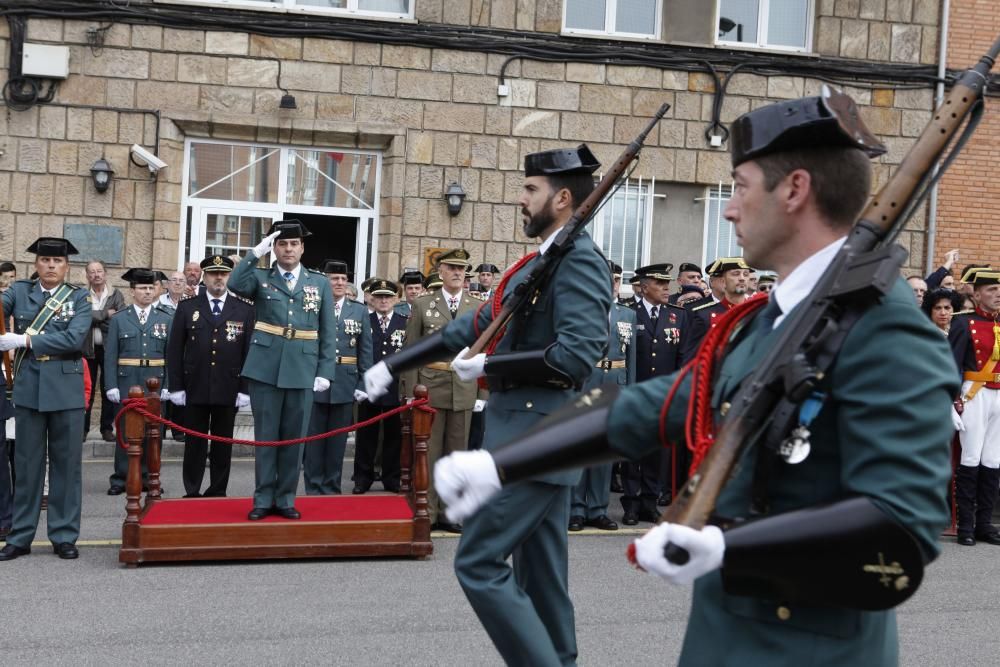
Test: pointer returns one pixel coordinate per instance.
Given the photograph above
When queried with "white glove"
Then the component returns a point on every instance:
(378, 379)
(113, 395)
(465, 481)
(242, 401)
(479, 406)
(321, 384)
(265, 245)
(164, 394)
(360, 396)
(705, 547)
(468, 369)
(11, 341)
(956, 420)
(178, 397)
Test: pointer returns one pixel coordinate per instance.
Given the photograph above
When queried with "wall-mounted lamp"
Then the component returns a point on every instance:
(287, 100)
(102, 172)
(454, 195)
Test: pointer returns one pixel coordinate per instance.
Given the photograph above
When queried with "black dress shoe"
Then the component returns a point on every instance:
(602, 522)
(361, 487)
(10, 552)
(258, 513)
(646, 515)
(108, 436)
(663, 499)
(66, 550)
(116, 490)
(630, 519)
(966, 540)
(989, 538)
(576, 523)
(287, 512)
(449, 527)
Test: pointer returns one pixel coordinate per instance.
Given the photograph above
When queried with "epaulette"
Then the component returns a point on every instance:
(164, 308)
(704, 305)
(242, 298)
(318, 273)
(677, 306)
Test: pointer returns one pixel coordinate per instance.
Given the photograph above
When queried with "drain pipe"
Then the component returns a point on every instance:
(938, 101)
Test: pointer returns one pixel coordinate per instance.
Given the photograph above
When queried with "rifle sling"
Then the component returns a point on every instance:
(49, 308)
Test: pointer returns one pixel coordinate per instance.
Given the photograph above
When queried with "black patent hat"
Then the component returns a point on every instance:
(828, 120)
(411, 276)
(337, 266)
(217, 263)
(656, 271)
(52, 246)
(141, 276)
(723, 264)
(616, 269)
(688, 266)
(487, 268)
(290, 229)
(561, 161)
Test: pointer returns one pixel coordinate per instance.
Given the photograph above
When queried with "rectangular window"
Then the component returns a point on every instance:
(386, 8)
(720, 239)
(621, 18)
(772, 24)
(621, 227)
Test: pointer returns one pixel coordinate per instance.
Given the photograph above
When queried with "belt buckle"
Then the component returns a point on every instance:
(606, 364)
(143, 363)
(288, 333)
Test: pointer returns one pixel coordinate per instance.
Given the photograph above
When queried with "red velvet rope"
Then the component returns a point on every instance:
(699, 424)
(139, 405)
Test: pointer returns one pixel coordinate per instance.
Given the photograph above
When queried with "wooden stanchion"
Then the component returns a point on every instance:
(134, 431)
(153, 431)
(422, 420)
(405, 451)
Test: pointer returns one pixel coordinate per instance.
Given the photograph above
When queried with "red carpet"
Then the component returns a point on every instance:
(313, 508)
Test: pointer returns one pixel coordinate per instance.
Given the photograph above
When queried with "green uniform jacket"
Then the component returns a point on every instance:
(56, 384)
(354, 339)
(883, 432)
(127, 339)
(276, 360)
(569, 319)
(621, 347)
(430, 314)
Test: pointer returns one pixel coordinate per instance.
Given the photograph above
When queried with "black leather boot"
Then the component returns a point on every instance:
(986, 499)
(966, 478)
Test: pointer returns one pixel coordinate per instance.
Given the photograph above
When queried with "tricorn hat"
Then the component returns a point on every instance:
(561, 161)
(52, 246)
(141, 276)
(411, 276)
(290, 229)
(487, 268)
(723, 264)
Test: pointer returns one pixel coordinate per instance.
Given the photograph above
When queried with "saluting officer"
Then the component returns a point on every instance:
(136, 350)
(51, 320)
(323, 460)
(293, 353)
(388, 336)
(728, 278)
(449, 395)
(209, 340)
(589, 501)
(975, 343)
(412, 282)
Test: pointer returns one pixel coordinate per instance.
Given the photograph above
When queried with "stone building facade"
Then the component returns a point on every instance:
(412, 119)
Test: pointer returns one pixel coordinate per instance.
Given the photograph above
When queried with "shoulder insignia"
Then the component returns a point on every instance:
(703, 306)
(678, 307)
(242, 298)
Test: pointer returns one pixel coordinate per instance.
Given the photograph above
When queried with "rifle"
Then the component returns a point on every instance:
(526, 292)
(766, 408)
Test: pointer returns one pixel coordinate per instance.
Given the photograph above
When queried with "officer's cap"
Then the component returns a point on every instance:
(829, 120)
(723, 264)
(766, 278)
(634, 280)
(52, 246)
(577, 160)
(290, 229)
(366, 285)
(337, 266)
(656, 271)
(985, 277)
(411, 276)
(487, 268)
(455, 257)
(433, 280)
(141, 277)
(616, 269)
(383, 287)
(688, 266)
(217, 264)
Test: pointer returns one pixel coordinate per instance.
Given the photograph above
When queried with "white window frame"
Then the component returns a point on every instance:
(292, 7)
(604, 219)
(366, 240)
(610, 14)
(722, 193)
(762, 13)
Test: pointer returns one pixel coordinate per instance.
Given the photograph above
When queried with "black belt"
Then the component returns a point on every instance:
(65, 356)
(499, 383)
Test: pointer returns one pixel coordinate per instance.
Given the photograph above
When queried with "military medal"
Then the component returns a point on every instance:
(195, 316)
(352, 328)
(233, 330)
(310, 299)
(795, 448)
(624, 334)
(397, 338)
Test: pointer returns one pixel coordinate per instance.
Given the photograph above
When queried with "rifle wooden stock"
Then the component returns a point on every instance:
(751, 411)
(527, 291)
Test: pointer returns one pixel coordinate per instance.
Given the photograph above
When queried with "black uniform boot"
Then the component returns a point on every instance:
(966, 478)
(986, 498)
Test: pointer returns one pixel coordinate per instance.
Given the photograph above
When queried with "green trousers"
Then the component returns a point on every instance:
(323, 460)
(591, 494)
(278, 414)
(60, 434)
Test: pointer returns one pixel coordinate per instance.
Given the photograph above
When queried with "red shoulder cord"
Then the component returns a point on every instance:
(496, 304)
(699, 424)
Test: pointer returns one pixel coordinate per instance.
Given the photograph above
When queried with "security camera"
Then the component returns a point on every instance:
(144, 158)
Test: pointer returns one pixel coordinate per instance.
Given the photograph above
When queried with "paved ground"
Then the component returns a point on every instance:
(389, 611)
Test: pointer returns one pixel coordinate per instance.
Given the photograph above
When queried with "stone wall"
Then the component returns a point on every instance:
(434, 112)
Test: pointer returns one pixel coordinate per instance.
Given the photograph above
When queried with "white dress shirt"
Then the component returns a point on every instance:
(797, 285)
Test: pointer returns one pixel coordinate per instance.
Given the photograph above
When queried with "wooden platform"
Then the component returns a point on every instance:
(201, 529)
